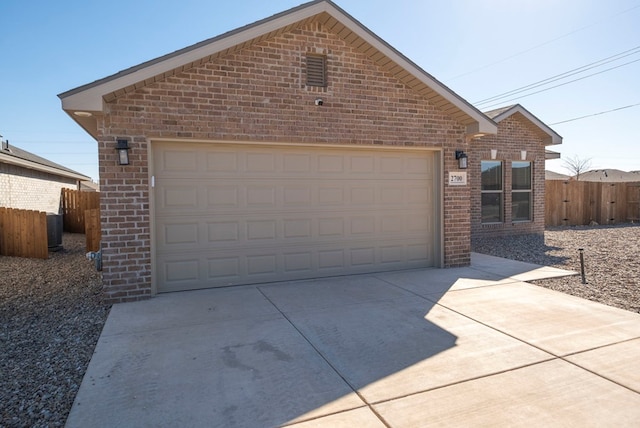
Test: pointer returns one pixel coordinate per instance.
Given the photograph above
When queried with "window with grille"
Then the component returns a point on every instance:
(491, 177)
(316, 70)
(521, 191)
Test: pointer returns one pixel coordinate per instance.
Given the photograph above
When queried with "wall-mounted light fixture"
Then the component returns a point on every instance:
(462, 159)
(494, 153)
(523, 155)
(122, 146)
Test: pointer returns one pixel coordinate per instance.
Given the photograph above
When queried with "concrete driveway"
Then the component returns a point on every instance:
(473, 346)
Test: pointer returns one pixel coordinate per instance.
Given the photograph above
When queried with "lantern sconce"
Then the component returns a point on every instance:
(461, 157)
(122, 147)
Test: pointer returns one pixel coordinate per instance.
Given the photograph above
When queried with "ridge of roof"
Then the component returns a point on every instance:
(89, 97)
(502, 113)
(496, 112)
(189, 48)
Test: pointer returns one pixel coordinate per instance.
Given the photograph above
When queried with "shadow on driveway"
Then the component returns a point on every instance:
(276, 354)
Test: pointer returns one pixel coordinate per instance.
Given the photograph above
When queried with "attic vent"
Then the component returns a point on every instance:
(316, 70)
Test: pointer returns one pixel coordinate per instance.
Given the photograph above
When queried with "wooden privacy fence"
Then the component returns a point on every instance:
(572, 203)
(74, 204)
(93, 232)
(23, 233)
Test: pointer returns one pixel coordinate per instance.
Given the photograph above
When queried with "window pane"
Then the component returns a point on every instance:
(492, 207)
(491, 175)
(521, 176)
(521, 206)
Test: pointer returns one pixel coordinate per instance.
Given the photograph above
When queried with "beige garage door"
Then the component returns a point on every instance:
(243, 214)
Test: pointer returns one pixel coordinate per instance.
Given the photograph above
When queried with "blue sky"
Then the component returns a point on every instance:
(479, 48)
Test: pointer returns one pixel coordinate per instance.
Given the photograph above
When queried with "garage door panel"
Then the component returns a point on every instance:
(247, 230)
(361, 164)
(298, 262)
(307, 194)
(223, 232)
(179, 197)
(181, 233)
(295, 196)
(182, 270)
(221, 161)
(298, 164)
(227, 215)
(256, 265)
(223, 197)
(222, 269)
(297, 228)
(187, 160)
(178, 160)
(390, 254)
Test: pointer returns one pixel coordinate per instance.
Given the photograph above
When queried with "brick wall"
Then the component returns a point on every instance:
(28, 189)
(259, 94)
(515, 133)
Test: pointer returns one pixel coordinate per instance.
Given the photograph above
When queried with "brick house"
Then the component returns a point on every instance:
(30, 182)
(507, 174)
(299, 146)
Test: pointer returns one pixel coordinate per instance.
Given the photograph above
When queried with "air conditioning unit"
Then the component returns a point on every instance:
(54, 231)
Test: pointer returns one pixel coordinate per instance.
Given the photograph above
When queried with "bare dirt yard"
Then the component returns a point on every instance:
(52, 313)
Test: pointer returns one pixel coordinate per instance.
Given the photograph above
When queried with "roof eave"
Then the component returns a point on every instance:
(548, 155)
(553, 138)
(89, 98)
(44, 168)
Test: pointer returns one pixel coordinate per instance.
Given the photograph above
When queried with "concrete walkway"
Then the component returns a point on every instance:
(473, 346)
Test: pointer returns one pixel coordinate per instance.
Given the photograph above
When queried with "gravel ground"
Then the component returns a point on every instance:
(51, 316)
(51, 312)
(611, 258)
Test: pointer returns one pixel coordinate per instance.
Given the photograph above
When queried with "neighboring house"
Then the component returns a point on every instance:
(31, 182)
(508, 176)
(550, 175)
(610, 176)
(299, 146)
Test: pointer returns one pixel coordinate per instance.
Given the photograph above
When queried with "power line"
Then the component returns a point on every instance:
(540, 45)
(561, 84)
(595, 114)
(563, 75)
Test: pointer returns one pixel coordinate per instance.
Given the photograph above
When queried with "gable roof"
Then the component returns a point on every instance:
(13, 155)
(86, 101)
(502, 113)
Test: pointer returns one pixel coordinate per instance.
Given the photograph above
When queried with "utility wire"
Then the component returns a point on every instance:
(540, 45)
(594, 114)
(561, 76)
(561, 84)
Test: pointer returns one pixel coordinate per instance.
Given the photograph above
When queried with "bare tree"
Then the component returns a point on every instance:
(577, 165)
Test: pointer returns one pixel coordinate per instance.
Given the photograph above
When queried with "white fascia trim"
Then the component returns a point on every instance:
(91, 98)
(485, 125)
(553, 139)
